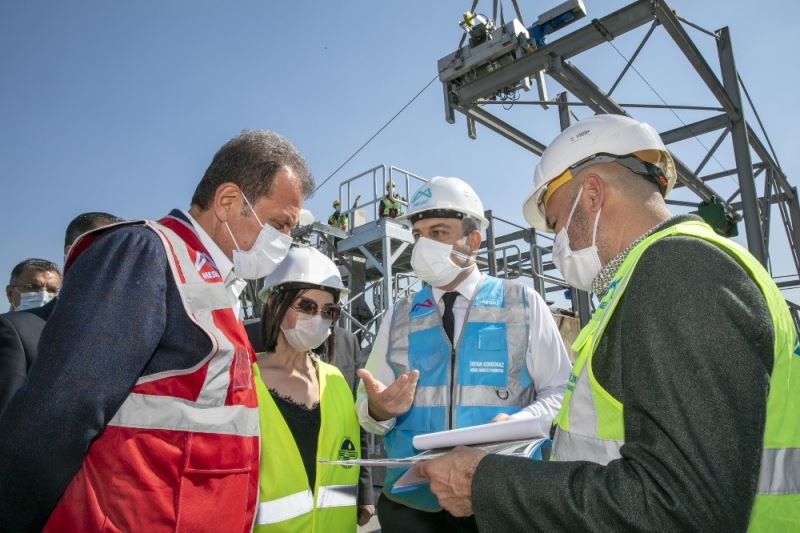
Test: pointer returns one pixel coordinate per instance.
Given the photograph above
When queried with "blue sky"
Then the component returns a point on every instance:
(119, 106)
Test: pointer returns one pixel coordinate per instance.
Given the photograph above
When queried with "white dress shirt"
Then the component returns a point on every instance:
(233, 283)
(546, 358)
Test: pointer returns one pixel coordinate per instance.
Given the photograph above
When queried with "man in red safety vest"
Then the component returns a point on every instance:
(140, 414)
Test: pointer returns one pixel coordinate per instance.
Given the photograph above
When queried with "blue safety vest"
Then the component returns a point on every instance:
(484, 376)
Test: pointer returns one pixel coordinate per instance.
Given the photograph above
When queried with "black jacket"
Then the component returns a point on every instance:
(19, 343)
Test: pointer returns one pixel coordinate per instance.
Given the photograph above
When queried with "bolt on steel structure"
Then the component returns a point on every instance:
(499, 78)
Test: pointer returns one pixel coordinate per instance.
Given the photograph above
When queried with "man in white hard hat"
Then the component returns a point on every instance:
(464, 350)
(691, 336)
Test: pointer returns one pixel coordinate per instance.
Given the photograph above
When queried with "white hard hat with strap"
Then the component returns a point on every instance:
(600, 138)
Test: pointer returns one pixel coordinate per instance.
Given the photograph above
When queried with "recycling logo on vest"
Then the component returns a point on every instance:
(347, 451)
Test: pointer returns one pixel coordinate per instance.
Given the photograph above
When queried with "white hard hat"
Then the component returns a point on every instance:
(306, 265)
(594, 137)
(449, 194)
(306, 217)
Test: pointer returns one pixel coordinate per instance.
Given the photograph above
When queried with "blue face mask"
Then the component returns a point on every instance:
(32, 300)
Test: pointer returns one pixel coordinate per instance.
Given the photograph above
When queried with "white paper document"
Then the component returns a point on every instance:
(523, 448)
(509, 430)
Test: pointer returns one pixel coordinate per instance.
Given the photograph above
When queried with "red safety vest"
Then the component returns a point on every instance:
(181, 453)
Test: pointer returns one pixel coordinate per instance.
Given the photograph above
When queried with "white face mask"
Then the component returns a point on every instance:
(579, 267)
(433, 264)
(32, 300)
(265, 255)
(308, 332)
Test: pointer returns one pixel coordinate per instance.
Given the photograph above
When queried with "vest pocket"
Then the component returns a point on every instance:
(483, 359)
(218, 483)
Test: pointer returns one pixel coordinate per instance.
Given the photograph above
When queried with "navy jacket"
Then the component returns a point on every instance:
(119, 317)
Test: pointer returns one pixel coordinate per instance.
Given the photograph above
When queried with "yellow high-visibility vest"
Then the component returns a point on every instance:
(590, 425)
(286, 502)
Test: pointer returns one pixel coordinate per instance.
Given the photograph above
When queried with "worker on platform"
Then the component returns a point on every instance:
(466, 349)
(338, 219)
(305, 405)
(391, 205)
(683, 408)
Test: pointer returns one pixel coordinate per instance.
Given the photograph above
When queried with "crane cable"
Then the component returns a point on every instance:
(332, 174)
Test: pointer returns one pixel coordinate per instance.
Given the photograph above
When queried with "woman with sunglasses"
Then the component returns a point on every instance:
(306, 408)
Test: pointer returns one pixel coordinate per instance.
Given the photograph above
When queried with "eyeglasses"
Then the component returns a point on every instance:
(308, 306)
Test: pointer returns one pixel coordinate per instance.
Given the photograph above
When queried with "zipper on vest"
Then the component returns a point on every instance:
(452, 385)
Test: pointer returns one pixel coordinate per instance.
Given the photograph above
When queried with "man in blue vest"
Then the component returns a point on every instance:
(466, 349)
(682, 412)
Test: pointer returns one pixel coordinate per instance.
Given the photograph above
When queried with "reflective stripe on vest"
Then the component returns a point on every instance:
(204, 301)
(163, 412)
(590, 424)
(302, 502)
(285, 508)
(491, 375)
(184, 441)
(287, 502)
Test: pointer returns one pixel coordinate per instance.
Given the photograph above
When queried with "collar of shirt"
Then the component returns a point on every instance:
(223, 264)
(466, 288)
(606, 275)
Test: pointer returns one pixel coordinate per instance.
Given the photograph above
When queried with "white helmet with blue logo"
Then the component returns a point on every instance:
(445, 194)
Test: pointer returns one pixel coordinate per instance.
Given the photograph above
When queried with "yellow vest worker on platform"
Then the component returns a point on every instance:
(682, 412)
(305, 405)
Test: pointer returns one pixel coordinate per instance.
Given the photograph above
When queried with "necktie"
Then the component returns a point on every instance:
(448, 322)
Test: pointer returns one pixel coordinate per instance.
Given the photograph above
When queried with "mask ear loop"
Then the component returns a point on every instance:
(594, 231)
(468, 258)
(251, 209)
(574, 205)
(227, 227)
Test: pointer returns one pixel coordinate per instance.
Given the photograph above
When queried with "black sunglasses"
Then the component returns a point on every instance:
(308, 306)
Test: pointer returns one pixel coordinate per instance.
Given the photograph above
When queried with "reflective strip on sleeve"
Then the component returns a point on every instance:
(166, 412)
(336, 496)
(582, 413)
(567, 446)
(285, 508)
(780, 471)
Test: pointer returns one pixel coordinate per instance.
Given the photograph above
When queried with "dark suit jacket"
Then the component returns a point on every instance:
(347, 358)
(19, 342)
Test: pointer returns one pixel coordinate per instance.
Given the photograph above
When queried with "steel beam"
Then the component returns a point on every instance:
(633, 57)
(696, 129)
(536, 265)
(490, 244)
(576, 82)
(793, 227)
(741, 149)
(673, 27)
(763, 154)
(388, 274)
(711, 152)
(621, 21)
(503, 128)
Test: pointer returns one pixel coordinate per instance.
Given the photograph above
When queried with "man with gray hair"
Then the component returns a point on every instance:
(465, 350)
(140, 412)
